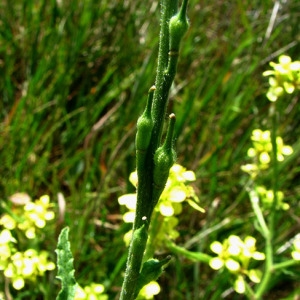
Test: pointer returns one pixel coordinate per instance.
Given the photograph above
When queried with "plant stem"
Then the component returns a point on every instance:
(156, 224)
(285, 264)
(134, 261)
(166, 70)
(258, 213)
(269, 268)
(263, 286)
(272, 219)
(199, 256)
(168, 9)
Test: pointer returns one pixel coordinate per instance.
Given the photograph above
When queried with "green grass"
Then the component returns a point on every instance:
(74, 79)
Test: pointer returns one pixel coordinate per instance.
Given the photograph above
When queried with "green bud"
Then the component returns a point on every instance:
(164, 159)
(145, 125)
(151, 270)
(178, 26)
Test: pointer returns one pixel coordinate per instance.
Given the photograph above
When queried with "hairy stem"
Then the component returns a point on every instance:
(148, 139)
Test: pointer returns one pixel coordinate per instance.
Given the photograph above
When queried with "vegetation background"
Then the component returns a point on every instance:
(74, 77)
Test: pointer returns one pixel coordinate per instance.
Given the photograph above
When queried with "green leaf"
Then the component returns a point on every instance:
(151, 270)
(65, 267)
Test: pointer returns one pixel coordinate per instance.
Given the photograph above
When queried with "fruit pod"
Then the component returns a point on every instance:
(178, 26)
(164, 159)
(139, 238)
(145, 125)
(144, 131)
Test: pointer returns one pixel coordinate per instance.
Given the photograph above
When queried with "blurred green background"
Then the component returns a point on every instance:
(74, 77)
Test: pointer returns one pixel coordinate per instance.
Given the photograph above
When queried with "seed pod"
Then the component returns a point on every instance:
(178, 26)
(145, 125)
(144, 133)
(164, 159)
(139, 238)
(135, 256)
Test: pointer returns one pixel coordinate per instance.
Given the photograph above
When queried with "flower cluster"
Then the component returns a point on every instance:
(267, 198)
(27, 266)
(235, 255)
(31, 216)
(94, 291)
(25, 217)
(6, 247)
(284, 78)
(261, 151)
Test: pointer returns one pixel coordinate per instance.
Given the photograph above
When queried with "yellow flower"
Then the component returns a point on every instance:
(8, 222)
(261, 151)
(235, 255)
(94, 291)
(285, 77)
(149, 290)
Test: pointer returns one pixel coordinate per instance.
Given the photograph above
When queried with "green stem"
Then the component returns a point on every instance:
(269, 267)
(268, 247)
(194, 256)
(134, 262)
(272, 219)
(166, 70)
(258, 213)
(263, 286)
(156, 224)
(249, 291)
(285, 264)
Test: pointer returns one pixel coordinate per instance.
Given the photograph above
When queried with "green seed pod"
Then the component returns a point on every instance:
(178, 26)
(145, 125)
(139, 238)
(151, 270)
(164, 159)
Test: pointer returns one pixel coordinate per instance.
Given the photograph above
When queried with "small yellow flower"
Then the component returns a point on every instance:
(285, 77)
(261, 151)
(8, 222)
(94, 291)
(149, 290)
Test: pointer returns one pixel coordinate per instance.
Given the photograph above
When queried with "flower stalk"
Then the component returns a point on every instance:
(154, 161)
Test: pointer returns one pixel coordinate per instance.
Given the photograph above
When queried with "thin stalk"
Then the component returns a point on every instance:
(263, 286)
(156, 225)
(285, 264)
(272, 219)
(268, 247)
(269, 268)
(258, 213)
(194, 256)
(249, 291)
